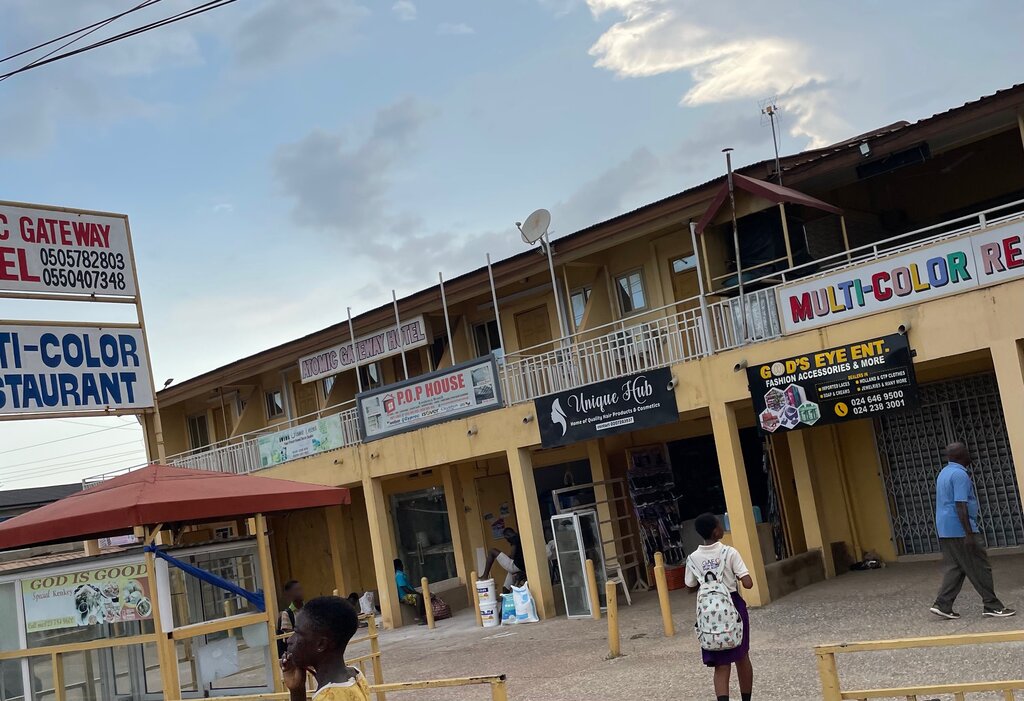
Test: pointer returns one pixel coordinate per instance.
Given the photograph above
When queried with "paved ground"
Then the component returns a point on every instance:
(563, 660)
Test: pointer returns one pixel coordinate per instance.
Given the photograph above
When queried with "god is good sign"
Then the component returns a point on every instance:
(848, 382)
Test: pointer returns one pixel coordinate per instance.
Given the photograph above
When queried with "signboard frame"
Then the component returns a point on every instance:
(661, 383)
(785, 397)
(497, 402)
(266, 441)
(349, 346)
(135, 298)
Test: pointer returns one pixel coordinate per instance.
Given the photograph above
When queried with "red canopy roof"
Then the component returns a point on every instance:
(769, 191)
(161, 494)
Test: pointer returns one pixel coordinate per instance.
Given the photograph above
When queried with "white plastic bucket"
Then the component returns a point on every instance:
(490, 614)
(486, 591)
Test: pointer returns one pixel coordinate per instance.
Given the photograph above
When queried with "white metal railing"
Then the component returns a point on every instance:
(678, 332)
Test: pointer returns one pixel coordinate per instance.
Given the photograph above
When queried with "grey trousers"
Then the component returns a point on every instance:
(961, 563)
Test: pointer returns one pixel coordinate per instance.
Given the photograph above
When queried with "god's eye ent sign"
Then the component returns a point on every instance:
(855, 381)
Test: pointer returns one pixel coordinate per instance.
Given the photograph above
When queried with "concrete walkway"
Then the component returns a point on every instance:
(563, 660)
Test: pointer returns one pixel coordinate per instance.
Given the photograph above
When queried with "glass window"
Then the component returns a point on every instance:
(11, 685)
(630, 287)
(684, 263)
(198, 432)
(424, 535)
(328, 384)
(487, 340)
(578, 299)
(275, 403)
(371, 376)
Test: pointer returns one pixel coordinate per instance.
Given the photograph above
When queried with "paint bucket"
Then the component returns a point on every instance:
(487, 592)
(490, 614)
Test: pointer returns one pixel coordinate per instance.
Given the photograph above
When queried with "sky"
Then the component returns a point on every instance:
(280, 161)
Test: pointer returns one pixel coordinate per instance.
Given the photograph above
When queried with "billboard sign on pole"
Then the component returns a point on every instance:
(63, 251)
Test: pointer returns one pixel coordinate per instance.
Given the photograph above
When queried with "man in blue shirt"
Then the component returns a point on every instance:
(956, 520)
(408, 595)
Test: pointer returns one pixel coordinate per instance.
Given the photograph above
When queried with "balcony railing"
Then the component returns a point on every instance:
(678, 332)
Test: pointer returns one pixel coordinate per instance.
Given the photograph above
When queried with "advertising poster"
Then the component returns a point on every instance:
(443, 395)
(367, 349)
(605, 408)
(57, 250)
(301, 441)
(46, 369)
(849, 382)
(987, 258)
(87, 598)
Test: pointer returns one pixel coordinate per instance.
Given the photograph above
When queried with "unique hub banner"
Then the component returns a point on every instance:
(987, 258)
(838, 384)
(605, 408)
(367, 349)
(106, 595)
(442, 395)
(46, 369)
(58, 250)
(301, 441)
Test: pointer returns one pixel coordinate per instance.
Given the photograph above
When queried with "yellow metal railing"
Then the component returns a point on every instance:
(832, 689)
(499, 690)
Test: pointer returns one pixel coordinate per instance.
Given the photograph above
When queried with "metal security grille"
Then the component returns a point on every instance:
(910, 449)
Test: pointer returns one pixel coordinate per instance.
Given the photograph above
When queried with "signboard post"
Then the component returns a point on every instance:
(605, 408)
(443, 395)
(52, 368)
(854, 381)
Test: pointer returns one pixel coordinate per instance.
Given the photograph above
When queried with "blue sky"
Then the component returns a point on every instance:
(280, 161)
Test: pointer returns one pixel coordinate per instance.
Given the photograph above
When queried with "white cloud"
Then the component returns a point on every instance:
(279, 29)
(405, 10)
(655, 37)
(454, 29)
(224, 208)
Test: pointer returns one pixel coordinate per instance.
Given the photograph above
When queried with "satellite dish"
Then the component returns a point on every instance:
(535, 226)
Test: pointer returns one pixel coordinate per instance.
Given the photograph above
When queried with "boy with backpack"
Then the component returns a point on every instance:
(713, 570)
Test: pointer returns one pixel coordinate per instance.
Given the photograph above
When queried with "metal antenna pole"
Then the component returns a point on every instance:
(352, 341)
(736, 240)
(401, 336)
(554, 286)
(447, 323)
(494, 300)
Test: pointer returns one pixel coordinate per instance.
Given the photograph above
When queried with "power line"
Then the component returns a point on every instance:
(198, 10)
(59, 440)
(66, 455)
(94, 26)
(66, 44)
(69, 466)
(129, 426)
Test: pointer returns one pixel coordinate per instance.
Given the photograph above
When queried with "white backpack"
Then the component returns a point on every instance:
(719, 626)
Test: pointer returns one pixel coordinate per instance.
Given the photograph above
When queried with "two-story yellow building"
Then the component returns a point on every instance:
(905, 238)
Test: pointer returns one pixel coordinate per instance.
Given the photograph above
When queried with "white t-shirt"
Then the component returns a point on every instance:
(711, 558)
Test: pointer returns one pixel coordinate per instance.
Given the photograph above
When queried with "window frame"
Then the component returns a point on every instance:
(365, 379)
(493, 343)
(587, 291)
(191, 434)
(625, 275)
(267, 395)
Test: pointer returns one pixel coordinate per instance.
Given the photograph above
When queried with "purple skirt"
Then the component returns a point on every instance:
(720, 658)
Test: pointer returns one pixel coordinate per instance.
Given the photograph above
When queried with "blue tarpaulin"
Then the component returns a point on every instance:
(254, 598)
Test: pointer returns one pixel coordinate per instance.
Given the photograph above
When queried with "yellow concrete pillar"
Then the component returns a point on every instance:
(812, 506)
(473, 516)
(531, 530)
(383, 546)
(607, 512)
(343, 581)
(1008, 359)
(737, 499)
(456, 521)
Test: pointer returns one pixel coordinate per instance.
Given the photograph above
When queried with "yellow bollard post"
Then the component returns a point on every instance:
(378, 668)
(476, 600)
(613, 620)
(498, 690)
(595, 600)
(666, 608)
(427, 608)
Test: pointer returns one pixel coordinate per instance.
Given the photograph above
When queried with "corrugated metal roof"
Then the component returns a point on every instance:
(46, 560)
(34, 496)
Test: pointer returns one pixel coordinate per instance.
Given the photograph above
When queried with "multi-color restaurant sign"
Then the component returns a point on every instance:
(855, 381)
(987, 258)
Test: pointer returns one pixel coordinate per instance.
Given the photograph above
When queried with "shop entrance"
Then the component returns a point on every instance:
(699, 488)
(424, 534)
(910, 449)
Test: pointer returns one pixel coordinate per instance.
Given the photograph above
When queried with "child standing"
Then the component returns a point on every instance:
(714, 560)
(323, 628)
